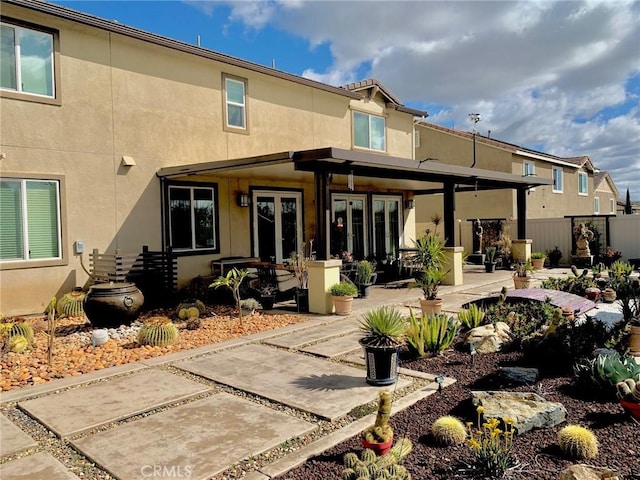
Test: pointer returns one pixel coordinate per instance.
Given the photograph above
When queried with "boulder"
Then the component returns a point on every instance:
(489, 338)
(528, 410)
(587, 472)
(519, 374)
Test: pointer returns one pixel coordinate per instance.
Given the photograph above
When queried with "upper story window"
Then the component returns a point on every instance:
(30, 226)
(596, 205)
(235, 104)
(612, 205)
(369, 131)
(582, 183)
(192, 217)
(557, 179)
(528, 169)
(26, 61)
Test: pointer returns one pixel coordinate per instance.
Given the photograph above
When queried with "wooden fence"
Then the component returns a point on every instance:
(154, 273)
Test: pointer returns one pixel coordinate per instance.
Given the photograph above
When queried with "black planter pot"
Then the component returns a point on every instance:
(490, 267)
(267, 301)
(112, 304)
(382, 364)
(363, 290)
(302, 299)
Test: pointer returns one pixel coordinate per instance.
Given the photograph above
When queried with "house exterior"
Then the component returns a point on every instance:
(577, 188)
(114, 139)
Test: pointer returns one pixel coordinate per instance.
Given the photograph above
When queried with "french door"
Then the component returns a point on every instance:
(348, 225)
(277, 224)
(387, 226)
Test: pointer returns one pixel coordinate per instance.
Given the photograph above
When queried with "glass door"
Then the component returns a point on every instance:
(277, 227)
(348, 231)
(387, 226)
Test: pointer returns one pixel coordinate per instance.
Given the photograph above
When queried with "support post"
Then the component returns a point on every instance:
(449, 214)
(322, 215)
(322, 275)
(453, 266)
(522, 212)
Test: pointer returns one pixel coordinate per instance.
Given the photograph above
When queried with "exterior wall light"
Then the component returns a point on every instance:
(243, 199)
(410, 204)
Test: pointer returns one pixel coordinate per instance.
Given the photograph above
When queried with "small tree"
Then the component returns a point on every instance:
(628, 210)
(233, 280)
(51, 328)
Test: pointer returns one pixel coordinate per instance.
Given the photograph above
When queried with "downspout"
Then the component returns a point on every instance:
(475, 118)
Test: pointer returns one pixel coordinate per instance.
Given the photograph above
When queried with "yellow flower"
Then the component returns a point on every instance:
(480, 409)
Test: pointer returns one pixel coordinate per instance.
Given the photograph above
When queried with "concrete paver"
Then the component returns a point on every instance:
(12, 439)
(196, 440)
(311, 384)
(335, 346)
(78, 410)
(314, 334)
(39, 466)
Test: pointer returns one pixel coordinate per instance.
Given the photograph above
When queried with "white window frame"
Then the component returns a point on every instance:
(214, 196)
(596, 205)
(612, 205)
(582, 175)
(369, 116)
(228, 126)
(557, 175)
(25, 221)
(416, 138)
(18, 61)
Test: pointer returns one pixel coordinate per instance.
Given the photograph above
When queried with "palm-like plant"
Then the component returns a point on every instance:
(383, 327)
(431, 334)
(430, 251)
(429, 282)
(232, 280)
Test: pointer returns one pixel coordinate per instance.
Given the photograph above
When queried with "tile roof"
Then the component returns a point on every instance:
(392, 100)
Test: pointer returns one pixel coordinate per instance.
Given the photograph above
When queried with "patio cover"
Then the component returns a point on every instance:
(417, 176)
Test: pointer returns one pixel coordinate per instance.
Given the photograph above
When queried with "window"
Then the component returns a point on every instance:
(596, 205)
(235, 104)
(369, 131)
(27, 61)
(30, 220)
(192, 219)
(529, 170)
(612, 205)
(582, 183)
(557, 179)
(416, 138)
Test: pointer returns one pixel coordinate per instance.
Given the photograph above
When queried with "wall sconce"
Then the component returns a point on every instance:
(410, 204)
(243, 199)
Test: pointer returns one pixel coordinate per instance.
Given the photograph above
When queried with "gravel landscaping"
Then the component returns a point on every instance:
(537, 453)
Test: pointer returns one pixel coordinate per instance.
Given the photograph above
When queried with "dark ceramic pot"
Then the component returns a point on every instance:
(382, 364)
(113, 304)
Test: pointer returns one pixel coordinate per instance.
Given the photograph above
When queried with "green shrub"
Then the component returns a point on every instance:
(578, 442)
(576, 284)
(538, 255)
(364, 271)
(471, 317)
(343, 289)
(431, 334)
(524, 317)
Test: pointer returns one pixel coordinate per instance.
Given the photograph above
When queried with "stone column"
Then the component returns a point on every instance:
(322, 275)
(453, 264)
(521, 250)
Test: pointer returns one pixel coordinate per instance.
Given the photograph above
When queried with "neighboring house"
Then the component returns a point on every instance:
(115, 138)
(577, 187)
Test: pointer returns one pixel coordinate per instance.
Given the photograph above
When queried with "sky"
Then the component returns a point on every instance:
(560, 77)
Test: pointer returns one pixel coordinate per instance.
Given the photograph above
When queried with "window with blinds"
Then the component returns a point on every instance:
(29, 220)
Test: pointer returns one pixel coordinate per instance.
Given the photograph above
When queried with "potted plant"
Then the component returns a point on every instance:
(628, 294)
(429, 282)
(522, 274)
(490, 259)
(343, 294)
(609, 256)
(364, 275)
(537, 260)
(554, 257)
(379, 436)
(384, 331)
(299, 263)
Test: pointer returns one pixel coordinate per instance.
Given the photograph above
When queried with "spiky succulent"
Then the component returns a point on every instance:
(158, 331)
(383, 327)
(449, 430)
(71, 304)
(578, 442)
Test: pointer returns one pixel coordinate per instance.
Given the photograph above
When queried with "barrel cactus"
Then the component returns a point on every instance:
(189, 304)
(18, 344)
(20, 327)
(449, 430)
(158, 331)
(578, 442)
(629, 389)
(70, 304)
(370, 466)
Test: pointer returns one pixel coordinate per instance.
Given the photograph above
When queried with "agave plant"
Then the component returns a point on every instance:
(383, 327)
(431, 334)
(471, 317)
(606, 370)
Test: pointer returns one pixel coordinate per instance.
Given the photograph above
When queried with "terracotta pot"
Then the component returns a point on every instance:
(113, 304)
(632, 408)
(431, 307)
(343, 305)
(538, 263)
(521, 282)
(380, 448)
(634, 341)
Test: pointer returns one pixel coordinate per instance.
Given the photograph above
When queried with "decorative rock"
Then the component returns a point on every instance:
(519, 374)
(489, 338)
(527, 410)
(99, 337)
(587, 472)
